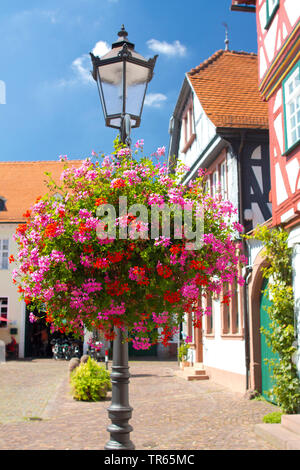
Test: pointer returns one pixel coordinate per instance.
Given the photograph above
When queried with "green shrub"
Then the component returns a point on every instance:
(183, 352)
(90, 381)
(280, 336)
(274, 417)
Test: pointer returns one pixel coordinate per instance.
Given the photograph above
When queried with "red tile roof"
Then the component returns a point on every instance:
(22, 182)
(227, 87)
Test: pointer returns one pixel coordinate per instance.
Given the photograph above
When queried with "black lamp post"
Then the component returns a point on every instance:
(122, 76)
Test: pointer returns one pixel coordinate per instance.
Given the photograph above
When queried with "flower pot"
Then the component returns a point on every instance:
(184, 364)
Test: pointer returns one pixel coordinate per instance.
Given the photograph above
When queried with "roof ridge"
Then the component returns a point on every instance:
(44, 161)
(216, 56)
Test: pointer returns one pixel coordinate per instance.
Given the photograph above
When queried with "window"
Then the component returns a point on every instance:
(3, 310)
(223, 180)
(291, 96)
(218, 179)
(236, 308)
(209, 319)
(207, 185)
(2, 204)
(188, 127)
(225, 312)
(271, 8)
(231, 313)
(3, 254)
(215, 181)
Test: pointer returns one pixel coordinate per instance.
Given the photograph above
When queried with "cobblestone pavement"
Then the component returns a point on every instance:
(169, 412)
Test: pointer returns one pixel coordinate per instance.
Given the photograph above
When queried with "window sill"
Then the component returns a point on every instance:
(237, 336)
(290, 149)
(209, 335)
(189, 143)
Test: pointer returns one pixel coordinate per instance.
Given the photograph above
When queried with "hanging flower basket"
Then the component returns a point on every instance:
(111, 251)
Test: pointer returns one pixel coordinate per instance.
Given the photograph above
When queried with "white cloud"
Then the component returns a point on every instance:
(155, 99)
(82, 67)
(101, 48)
(163, 47)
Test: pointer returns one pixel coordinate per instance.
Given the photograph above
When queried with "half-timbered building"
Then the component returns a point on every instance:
(278, 28)
(220, 123)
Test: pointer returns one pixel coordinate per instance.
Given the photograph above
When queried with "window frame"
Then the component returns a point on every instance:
(188, 125)
(270, 14)
(209, 319)
(217, 187)
(2, 251)
(2, 204)
(289, 147)
(4, 324)
(223, 179)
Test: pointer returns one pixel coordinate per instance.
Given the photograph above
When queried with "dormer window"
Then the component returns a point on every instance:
(2, 204)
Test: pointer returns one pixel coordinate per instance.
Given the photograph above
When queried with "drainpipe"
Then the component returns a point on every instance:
(245, 250)
(246, 320)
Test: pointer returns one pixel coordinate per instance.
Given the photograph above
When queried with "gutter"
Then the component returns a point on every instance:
(246, 320)
(248, 268)
(209, 151)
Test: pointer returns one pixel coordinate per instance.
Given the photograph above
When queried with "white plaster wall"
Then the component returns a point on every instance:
(204, 130)
(223, 354)
(254, 247)
(232, 180)
(292, 8)
(16, 309)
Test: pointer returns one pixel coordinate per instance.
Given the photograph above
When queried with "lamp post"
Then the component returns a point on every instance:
(122, 76)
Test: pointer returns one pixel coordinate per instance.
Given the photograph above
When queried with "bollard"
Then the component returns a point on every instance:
(106, 359)
(2, 351)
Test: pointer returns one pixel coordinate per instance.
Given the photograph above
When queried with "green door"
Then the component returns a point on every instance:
(266, 352)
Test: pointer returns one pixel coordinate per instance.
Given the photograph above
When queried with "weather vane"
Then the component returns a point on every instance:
(226, 36)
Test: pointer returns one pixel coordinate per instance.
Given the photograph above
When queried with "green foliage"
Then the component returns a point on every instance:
(90, 381)
(281, 335)
(274, 417)
(183, 352)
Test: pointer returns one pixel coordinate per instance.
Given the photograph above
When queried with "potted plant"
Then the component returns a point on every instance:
(183, 355)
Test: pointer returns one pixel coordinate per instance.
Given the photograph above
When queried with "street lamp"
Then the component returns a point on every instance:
(122, 76)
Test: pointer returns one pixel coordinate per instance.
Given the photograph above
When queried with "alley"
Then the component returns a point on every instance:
(37, 411)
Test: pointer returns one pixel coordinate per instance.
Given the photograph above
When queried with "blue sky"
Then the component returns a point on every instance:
(52, 106)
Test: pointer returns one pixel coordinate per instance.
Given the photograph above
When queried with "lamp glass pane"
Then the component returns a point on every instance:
(111, 78)
(136, 83)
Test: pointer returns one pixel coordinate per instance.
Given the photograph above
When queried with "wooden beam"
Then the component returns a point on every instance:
(243, 8)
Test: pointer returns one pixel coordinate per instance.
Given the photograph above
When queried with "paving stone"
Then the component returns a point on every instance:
(169, 412)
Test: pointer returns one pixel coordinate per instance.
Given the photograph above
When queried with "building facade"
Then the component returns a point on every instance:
(278, 37)
(21, 184)
(220, 123)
